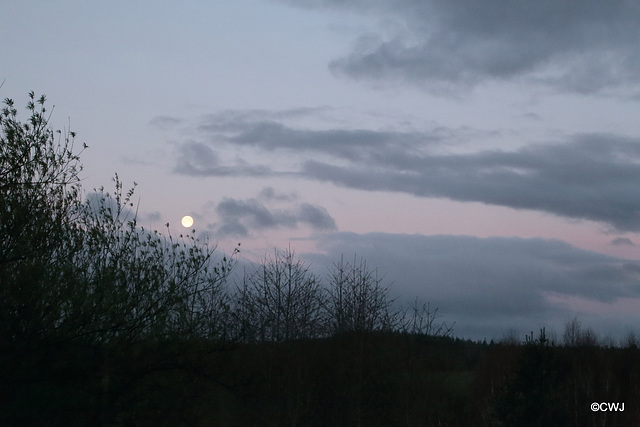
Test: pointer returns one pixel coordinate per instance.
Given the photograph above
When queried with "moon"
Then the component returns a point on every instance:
(187, 221)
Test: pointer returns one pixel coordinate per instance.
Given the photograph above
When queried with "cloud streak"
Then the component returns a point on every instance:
(592, 177)
(199, 159)
(583, 176)
(260, 129)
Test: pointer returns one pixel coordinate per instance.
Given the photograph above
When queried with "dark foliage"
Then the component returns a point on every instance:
(369, 379)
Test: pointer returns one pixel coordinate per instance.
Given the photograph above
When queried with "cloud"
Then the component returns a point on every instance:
(237, 119)
(104, 205)
(349, 144)
(165, 122)
(592, 177)
(584, 47)
(583, 176)
(487, 285)
(198, 159)
(622, 241)
(259, 129)
(254, 212)
(232, 228)
(316, 216)
(269, 193)
(238, 217)
(154, 216)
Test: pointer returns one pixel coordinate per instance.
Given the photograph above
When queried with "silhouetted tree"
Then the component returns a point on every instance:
(575, 335)
(39, 189)
(421, 319)
(534, 397)
(358, 301)
(82, 286)
(280, 300)
(630, 340)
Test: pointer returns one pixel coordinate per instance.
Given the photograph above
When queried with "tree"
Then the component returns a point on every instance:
(39, 194)
(421, 319)
(85, 269)
(575, 335)
(137, 285)
(358, 301)
(84, 289)
(280, 300)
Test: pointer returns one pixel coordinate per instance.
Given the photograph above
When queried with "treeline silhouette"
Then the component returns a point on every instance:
(105, 323)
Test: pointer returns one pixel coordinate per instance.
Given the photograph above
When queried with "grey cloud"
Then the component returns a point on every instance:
(316, 216)
(237, 119)
(531, 116)
(253, 211)
(591, 177)
(154, 216)
(269, 193)
(165, 122)
(237, 217)
(198, 159)
(231, 228)
(585, 176)
(487, 285)
(105, 205)
(590, 46)
(622, 241)
(258, 129)
(346, 143)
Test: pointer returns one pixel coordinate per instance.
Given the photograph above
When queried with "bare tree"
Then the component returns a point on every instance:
(630, 340)
(421, 319)
(572, 332)
(575, 335)
(280, 300)
(510, 337)
(358, 301)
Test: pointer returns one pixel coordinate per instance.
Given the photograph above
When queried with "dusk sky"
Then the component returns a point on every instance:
(485, 156)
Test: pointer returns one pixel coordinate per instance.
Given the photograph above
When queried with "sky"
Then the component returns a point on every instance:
(484, 156)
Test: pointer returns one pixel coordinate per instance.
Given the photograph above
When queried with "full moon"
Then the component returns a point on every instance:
(187, 221)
